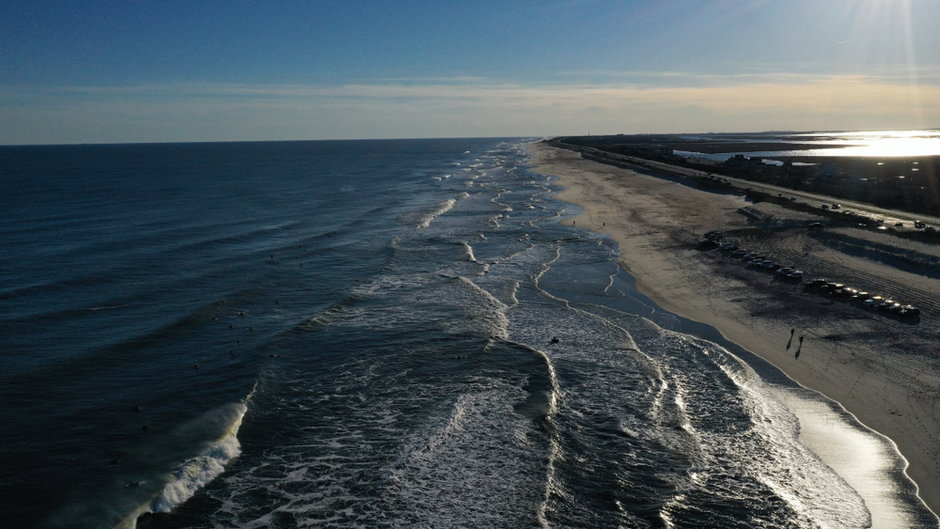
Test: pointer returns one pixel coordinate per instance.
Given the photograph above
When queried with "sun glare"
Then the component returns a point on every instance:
(895, 147)
(896, 144)
(876, 144)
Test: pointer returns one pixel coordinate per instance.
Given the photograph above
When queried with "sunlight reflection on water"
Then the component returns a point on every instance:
(860, 456)
(892, 143)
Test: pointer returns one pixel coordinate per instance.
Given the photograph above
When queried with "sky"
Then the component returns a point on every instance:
(162, 71)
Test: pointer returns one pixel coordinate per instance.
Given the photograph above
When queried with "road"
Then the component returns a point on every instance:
(888, 217)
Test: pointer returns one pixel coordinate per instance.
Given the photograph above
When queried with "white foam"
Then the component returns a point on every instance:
(514, 290)
(494, 311)
(199, 470)
(555, 451)
(471, 466)
(545, 267)
(468, 251)
(860, 456)
(443, 208)
(792, 471)
(678, 399)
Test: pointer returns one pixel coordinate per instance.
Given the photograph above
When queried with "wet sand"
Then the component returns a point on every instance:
(884, 371)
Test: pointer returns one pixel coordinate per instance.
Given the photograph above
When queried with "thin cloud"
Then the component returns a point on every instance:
(481, 87)
(210, 111)
(930, 74)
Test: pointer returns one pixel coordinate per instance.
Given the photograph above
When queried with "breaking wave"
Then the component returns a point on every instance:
(443, 208)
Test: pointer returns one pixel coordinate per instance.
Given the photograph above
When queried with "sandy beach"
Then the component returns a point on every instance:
(882, 369)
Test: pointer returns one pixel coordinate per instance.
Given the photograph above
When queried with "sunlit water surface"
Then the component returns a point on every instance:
(360, 334)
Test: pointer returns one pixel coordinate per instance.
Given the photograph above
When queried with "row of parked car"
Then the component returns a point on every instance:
(865, 298)
(715, 239)
(876, 222)
(753, 260)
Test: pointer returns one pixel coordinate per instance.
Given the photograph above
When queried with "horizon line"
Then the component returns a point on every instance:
(419, 138)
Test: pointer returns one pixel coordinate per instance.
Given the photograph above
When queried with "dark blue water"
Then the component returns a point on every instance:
(358, 333)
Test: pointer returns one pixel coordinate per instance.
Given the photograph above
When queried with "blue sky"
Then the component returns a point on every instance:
(76, 72)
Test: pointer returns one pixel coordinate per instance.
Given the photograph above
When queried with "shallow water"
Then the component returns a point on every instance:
(384, 334)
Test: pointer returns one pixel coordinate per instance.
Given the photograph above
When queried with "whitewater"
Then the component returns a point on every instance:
(380, 334)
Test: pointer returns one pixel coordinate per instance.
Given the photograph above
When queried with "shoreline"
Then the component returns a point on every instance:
(880, 371)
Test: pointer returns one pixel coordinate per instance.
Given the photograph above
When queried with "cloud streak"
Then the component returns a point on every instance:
(460, 107)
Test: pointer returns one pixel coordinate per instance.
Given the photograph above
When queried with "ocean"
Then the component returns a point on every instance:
(344, 334)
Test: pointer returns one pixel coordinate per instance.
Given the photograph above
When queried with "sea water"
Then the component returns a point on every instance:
(362, 334)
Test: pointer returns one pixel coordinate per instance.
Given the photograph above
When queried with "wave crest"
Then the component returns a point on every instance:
(197, 471)
(443, 208)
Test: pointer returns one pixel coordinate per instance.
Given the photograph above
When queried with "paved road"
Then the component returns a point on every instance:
(888, 216)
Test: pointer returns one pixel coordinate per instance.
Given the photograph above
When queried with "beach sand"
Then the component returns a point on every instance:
(883, 370)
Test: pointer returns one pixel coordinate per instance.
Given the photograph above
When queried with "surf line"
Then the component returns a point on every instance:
(197, 471)
(443, 208)
(554, 440)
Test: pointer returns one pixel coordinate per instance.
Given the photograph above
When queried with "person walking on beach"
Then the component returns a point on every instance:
(800, 348)
(790, 341)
